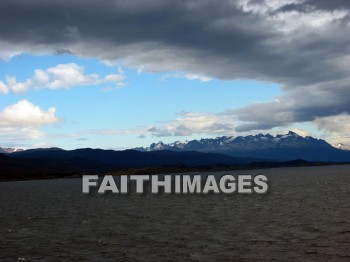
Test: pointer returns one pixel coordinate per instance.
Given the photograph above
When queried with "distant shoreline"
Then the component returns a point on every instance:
(171, 170)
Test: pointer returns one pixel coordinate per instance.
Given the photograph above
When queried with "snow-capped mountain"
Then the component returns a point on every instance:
(282, 147)
(9, 150)
(259, 141)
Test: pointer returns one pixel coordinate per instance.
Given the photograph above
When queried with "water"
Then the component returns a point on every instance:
(304, 217)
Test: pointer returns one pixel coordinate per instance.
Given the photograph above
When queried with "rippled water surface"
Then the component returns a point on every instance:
(304, 217)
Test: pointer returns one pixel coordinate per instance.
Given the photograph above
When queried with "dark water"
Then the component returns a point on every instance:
(304, 217)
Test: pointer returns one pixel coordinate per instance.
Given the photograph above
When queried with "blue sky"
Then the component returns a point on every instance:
(124, 74)
(145, 100)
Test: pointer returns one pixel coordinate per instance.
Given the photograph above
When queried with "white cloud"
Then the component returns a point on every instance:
(301, 132)
(17, 87)
(15, 134)
(201, 78)
(22, 122)
(188, 123)
(3, 88)
(265, 6)
(189, 76)
(24, 113)
(62, 76)
(291, 20)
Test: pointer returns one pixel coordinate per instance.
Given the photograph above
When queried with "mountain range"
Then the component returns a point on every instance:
(286, 147)
(258, 151)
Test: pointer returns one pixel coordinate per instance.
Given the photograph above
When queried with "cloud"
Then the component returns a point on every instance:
(63, 52)
(240, 39)
(16, 134)
(303, 45)
(189, 123)
(185, 124)
(3, 88)
(62, 76)
(197, 77)
(25, 114)
(301, 132)
(336, 124)
(22, 121)
(336, 127)
(304, 104)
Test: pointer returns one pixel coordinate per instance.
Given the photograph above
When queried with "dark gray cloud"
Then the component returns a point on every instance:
(63, 52)
(302, 45)
(300, 105)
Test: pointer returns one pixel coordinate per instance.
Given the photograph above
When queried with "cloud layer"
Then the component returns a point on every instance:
(58, 77)
(304, 45)
(189, 123)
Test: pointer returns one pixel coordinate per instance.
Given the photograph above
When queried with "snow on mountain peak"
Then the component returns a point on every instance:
(9, 150)
(250, 142)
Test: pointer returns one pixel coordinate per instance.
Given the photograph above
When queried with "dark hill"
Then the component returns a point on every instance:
(134, 158)
(55, 162)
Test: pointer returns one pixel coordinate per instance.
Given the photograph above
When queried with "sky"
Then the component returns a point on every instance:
(124, 74)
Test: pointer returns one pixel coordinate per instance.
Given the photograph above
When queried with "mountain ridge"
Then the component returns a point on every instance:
(56, 162)
(222, 153)
(133, 158)
(285, 147)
